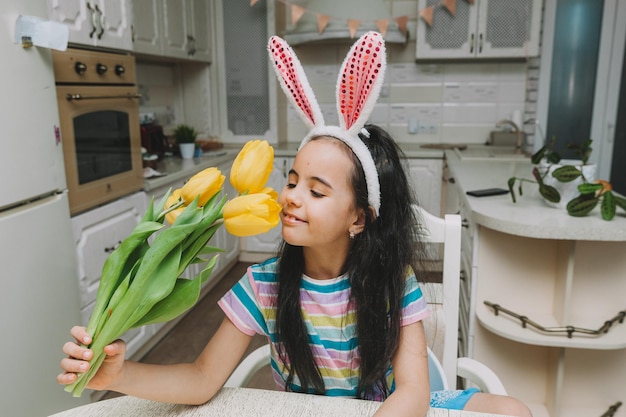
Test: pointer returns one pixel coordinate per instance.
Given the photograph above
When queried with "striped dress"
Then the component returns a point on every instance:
(329, 317)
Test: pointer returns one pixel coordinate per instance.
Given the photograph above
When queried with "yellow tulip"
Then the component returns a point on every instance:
(251, 214)
(252, 167)
(171, 200)
(269, 191)
(205, 184)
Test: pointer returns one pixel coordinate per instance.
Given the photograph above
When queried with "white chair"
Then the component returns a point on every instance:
(442, 374)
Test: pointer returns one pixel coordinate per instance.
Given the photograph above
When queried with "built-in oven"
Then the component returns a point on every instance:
(99, 126)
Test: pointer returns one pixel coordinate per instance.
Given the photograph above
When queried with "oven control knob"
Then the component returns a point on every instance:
(119, 70)
(101, 68)
(80, 68)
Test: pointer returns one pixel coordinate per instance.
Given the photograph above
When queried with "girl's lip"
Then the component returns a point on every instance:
(291, 219)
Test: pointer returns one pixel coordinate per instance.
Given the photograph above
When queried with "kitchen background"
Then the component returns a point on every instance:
(203, 63)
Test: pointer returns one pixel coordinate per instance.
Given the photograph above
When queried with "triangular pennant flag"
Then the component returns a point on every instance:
(296, 13)
(382, 24)
(322, 22)
(402, 21)
(253, 2)
(353, 25)
(427, 15)
(450, 5)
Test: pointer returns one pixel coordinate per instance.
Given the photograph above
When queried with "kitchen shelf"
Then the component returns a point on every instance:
(558, 271)
(511, 328)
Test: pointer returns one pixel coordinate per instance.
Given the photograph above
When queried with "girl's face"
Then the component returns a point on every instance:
(318, 201)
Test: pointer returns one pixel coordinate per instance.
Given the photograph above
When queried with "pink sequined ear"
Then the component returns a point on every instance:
(294, 82)
(360, 80)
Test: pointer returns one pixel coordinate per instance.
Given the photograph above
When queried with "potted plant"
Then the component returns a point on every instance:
(185, 136)
(569, 183)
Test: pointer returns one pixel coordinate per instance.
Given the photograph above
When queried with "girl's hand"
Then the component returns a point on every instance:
(78, 361)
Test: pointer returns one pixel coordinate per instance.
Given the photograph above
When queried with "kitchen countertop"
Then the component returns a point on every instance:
(177, 169)
(530, 216)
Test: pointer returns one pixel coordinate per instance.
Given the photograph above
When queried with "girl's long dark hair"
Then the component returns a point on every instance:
(377, 265)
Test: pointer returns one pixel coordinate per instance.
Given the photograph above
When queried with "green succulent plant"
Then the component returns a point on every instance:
(591, 193)
(185, 134)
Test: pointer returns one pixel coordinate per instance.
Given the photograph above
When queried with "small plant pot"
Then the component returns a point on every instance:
(187, 150)
(568, 190)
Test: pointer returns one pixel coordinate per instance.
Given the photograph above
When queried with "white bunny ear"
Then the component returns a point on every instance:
(294, 82)
(360, 79)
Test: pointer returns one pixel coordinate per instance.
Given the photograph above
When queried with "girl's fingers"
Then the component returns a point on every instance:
(80, 334)
(74, 365)
(74, 351)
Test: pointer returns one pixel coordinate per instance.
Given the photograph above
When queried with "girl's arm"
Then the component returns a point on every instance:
(189, 383)
(410, 369)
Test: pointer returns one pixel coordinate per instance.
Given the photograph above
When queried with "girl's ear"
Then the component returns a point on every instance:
(359, 224)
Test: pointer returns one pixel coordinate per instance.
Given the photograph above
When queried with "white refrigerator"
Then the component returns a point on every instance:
(39, 299)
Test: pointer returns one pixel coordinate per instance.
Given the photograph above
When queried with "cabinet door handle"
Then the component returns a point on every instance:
(191, 50)
(94, 20)
(472, 43)
(110, 249)
(101, 22)
(480, 43)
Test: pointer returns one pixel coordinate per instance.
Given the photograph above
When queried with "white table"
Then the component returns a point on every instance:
(237, 402)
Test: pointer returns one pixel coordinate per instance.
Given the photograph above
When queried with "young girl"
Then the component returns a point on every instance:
(340, 304)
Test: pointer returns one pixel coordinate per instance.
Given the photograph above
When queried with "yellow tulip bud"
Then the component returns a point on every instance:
(270, 191)
(173, 215)
(251, 214)
(252, 167)
(174, 198)
(205, 184)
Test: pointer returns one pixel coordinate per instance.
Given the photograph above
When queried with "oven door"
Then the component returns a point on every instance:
(101, 143)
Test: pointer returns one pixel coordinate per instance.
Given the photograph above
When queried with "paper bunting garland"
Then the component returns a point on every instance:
(297, 11)
(427, 13)
(322, 22)
(450, 5)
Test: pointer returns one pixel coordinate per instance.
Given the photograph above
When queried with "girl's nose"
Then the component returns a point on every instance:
(290, 196)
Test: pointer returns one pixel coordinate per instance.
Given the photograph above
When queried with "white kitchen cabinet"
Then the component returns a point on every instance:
(102, 23)
(223, 239)
(485, 29)
(553, 269)
(97, 233)
(173, 28)
(425, 176)
(267, 243)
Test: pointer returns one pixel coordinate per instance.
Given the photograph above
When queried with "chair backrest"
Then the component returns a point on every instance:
(446, 231)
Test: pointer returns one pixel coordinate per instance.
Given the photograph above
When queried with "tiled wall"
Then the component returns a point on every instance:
(442, 102)
(431, 103)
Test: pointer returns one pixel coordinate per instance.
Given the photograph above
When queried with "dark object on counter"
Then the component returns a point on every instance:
(153, 139)
(487, 192)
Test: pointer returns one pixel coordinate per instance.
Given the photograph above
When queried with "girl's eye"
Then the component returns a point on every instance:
(290, 185)
(316, 194)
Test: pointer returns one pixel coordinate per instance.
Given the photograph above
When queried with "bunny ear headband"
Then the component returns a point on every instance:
(358, 87)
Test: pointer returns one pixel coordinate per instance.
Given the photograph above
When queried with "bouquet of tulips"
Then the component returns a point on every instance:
(141, 282)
